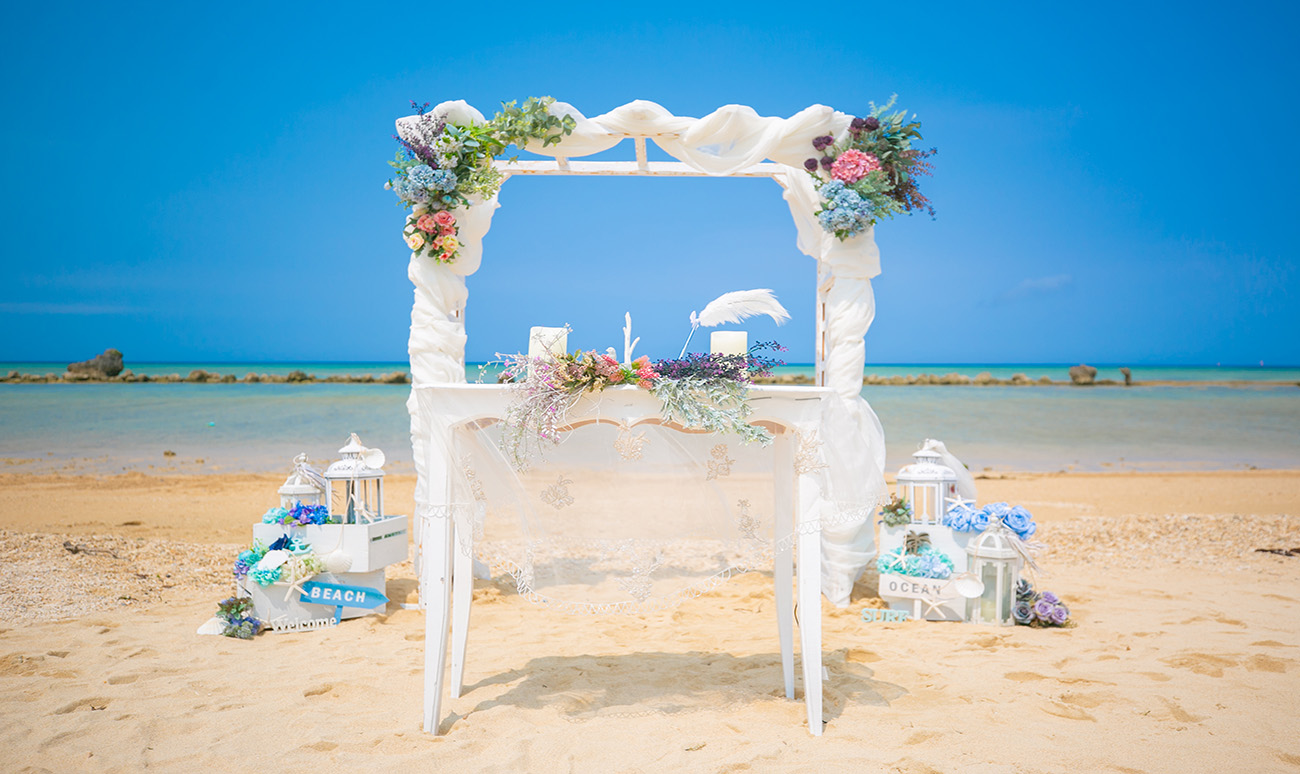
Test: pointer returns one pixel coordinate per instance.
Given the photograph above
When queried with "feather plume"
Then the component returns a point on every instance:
(739, 304)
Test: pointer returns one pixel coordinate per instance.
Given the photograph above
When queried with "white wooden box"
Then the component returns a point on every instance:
(270, 605)
(372, 546)
(944, 540)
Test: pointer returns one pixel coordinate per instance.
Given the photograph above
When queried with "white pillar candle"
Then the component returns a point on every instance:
(729, 343)
(547, 341)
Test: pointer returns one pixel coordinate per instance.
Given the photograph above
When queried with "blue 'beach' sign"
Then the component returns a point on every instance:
(341, 596)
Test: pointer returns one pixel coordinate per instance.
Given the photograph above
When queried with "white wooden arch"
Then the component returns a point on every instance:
(733, 141)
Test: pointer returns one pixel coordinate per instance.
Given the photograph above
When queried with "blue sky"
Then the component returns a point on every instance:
(1114, 184)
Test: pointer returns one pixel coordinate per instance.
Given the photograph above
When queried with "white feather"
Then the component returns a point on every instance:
(739, 304)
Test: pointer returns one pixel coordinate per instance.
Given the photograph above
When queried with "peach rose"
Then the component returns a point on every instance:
(445, 218)
(447, 230)
(415, 241)
(426, 223)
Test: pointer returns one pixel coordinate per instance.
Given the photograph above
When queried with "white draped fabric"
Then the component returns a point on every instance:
(722, 143)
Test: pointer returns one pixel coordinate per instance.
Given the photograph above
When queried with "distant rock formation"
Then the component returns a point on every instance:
(106, 365)
(1128, 377)
(1083, 374)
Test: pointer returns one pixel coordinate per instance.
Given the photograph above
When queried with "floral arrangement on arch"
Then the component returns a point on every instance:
(444, 165)
(702, 391)
(871, 173)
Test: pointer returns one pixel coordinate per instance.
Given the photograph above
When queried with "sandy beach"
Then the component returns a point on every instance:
(1186, 656)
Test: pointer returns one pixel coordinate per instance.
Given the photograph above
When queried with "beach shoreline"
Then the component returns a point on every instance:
(1185, 636)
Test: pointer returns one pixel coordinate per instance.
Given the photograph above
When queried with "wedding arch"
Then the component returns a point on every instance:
(835, 227)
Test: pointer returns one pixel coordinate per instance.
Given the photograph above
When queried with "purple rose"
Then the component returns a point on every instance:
(1059, 615)
(1043, 609)
(810, 165)
(858, 125)
(1050, 597)
(827, 161)
(871, 123)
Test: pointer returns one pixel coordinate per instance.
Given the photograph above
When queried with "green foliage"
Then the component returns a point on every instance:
(516, 125)
(716, 405)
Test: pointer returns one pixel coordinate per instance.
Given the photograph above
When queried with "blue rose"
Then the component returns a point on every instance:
(1018, 521)
(979, 520)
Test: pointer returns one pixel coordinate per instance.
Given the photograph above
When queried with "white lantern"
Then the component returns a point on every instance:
(928, 485)
(357, 484)
(301, 487)
(997, 564)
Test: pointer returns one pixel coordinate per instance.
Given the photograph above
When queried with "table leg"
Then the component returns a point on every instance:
(461, 601)
(783, 570)
(437, 568)
(810, 601)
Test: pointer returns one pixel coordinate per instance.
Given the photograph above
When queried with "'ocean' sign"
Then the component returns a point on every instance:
(341, 596)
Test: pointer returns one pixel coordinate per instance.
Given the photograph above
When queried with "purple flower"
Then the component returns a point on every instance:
(858, 125)
(1050, 597)
(1043, 609)
(810, 165)
(823, 142)
(827, 161)
(871, 123)
(1059, 615)
(1022, 613)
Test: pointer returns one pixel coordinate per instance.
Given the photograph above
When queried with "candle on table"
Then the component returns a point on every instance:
(547, 341)
(729, 343)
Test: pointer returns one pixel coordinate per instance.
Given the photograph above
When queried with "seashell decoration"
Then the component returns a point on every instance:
(336, 561)
(213, 625)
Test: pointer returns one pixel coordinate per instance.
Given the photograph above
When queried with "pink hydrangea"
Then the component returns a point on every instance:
(853, 165)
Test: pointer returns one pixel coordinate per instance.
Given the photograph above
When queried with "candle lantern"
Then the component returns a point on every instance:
(304, 485)
(357, 484)
(997, 564)
(928, 485)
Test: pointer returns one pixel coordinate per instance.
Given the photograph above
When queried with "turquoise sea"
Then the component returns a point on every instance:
(260, 427)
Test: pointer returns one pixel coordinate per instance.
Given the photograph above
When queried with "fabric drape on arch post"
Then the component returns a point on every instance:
(722, 143)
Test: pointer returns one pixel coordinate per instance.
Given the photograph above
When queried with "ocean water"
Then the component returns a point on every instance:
(260, 427)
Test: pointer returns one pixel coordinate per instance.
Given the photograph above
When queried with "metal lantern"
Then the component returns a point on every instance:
(357, 484)
(301, 487)
(997, 564)
(928, 485)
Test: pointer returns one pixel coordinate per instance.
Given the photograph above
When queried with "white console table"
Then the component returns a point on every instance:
(792, 414)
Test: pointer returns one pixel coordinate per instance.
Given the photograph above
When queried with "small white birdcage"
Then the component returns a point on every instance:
(357, 484)
(304, 485)
(928, 485)
(996, 563)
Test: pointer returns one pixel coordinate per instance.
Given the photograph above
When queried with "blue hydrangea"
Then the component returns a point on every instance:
(833, 189)
(408, 191)
(421, 175)
(444, 180)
